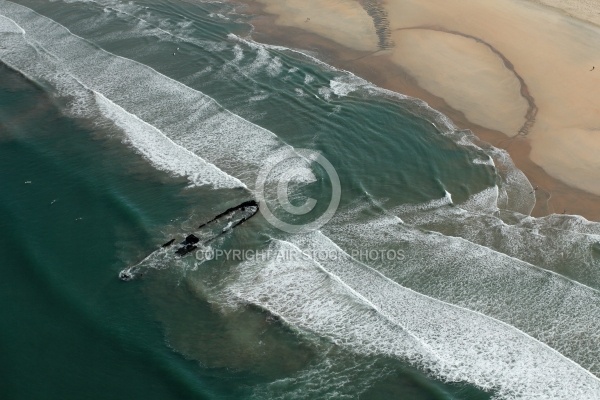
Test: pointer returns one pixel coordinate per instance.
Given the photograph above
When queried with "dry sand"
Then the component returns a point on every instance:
(498, 63)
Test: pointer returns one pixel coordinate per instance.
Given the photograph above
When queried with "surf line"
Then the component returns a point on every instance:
(162, 76)
(532, 108)
(515, 330)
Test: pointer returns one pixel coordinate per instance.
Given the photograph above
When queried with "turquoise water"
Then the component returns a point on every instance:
(123, 125)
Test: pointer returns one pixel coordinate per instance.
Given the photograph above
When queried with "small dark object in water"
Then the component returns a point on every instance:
(170, 242)
(191, 239)
(125, 276)
(182, 251)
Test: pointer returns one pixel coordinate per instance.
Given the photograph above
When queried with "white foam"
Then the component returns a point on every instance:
(514, 189)
(325, 93)
(128, 9)
(202, 72)
(474, 277)
(543, 304)
(513, 195)
(255, 45)
(218, 15)
(367, 313)
(560, 243)
(263, 60)
(344, 85)
(161, 151)
(238, 54)
(274, 67)
(259, 97)
(489, 161)
(486, 200)
(430, 205)
(147, 25)
(7, 25)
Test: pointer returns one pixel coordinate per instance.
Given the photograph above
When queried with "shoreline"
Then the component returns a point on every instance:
(376, 65)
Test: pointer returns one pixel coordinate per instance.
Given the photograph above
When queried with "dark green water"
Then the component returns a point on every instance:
(70, 330)
(102, 159)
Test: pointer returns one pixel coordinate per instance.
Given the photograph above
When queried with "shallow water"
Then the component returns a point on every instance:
(123, 125)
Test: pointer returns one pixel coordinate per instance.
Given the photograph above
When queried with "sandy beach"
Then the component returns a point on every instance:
(551, 52)
(522, 75)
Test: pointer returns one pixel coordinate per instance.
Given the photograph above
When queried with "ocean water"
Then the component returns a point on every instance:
(126, 124)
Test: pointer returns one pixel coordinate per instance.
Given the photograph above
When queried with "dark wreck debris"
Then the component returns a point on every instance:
(170, 242)
(251, 210)
(190, 239)
(125, 276)
(242, 207)
(218, 226)
(188, 245)
(183, 250)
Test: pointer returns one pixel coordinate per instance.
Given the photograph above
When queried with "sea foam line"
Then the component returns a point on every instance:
(537, 301)
(160, 150)
(306, 302)
(324, 239)
(449, 216)
(216, 121)
(359, 296)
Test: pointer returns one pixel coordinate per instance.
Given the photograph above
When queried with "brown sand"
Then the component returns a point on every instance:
(389, 70)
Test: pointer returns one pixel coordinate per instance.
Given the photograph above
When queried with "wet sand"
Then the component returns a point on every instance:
(533, 121)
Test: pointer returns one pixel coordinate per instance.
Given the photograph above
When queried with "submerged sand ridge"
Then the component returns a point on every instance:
(508, 65)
